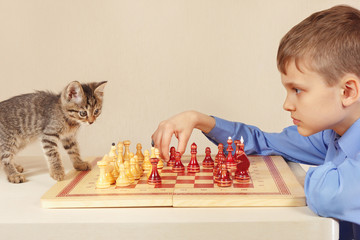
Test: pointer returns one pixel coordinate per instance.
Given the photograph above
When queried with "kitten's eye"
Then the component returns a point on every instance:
(83, 113)
(96, 112)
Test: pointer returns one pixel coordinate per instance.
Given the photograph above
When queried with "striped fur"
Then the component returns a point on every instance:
(54, 118)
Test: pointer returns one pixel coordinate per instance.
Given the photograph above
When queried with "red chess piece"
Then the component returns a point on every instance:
(193, 166)
(178, 166)
(230, 163)
(217, 169)
(237, 144)
(225, 178)
(154, 177)
(208, 161)
(242, 167)
(171, 161)
(220, 152)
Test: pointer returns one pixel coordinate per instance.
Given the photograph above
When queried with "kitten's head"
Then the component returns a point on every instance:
(82, 103)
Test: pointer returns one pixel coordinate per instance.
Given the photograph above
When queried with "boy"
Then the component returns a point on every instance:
(319, 61)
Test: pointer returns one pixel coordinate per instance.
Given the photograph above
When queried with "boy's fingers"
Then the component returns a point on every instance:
(182, 142)
(165, 144)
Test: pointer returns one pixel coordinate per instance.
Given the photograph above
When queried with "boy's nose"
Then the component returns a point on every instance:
(288, 106)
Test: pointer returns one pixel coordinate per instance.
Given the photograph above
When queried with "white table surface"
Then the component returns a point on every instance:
(22, 217)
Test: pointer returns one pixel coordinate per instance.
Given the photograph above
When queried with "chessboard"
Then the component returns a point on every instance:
(272, 183)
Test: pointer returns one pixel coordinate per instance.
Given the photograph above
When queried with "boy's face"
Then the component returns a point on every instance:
(313, 104)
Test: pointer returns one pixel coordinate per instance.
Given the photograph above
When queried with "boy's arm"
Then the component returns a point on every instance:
(333, 191)
(289, 143)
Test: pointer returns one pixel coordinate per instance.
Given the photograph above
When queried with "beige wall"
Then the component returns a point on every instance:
(160, 58)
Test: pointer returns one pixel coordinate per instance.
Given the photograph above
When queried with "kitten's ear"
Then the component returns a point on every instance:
(99, 90)
(74, 92)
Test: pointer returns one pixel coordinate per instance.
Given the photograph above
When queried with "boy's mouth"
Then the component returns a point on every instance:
(295, 121)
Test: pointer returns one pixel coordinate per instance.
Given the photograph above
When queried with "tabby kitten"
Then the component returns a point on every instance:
(52, 117)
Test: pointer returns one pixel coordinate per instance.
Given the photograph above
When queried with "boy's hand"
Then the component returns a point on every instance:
(180, 125)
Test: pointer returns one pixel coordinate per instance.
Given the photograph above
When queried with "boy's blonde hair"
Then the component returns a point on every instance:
(327, 42)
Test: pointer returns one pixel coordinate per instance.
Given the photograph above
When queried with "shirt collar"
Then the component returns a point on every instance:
(350, 140)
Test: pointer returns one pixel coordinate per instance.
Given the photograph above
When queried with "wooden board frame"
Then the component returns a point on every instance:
(272, 184)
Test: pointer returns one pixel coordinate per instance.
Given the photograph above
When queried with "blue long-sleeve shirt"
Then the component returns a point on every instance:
(333, 188)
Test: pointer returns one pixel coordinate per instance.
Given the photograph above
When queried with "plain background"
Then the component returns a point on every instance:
(160, 57)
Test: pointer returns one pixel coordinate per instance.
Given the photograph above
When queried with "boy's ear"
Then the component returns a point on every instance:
(350, 89)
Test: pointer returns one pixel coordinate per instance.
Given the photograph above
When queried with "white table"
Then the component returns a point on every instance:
(21, 217)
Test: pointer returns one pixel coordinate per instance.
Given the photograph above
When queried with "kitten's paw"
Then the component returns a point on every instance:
(82, 166)
(19, 168)
(58, 175)
(16, 178)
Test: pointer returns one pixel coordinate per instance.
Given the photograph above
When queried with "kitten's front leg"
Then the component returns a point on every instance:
(71, 146)
(49, 143)
(14, 176)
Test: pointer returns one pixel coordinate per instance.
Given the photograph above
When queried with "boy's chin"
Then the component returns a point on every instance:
(305, 132)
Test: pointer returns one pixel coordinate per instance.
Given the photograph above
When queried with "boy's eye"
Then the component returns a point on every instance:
(297, 91)
(83, 113)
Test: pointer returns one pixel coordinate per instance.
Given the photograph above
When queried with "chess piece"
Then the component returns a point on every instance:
(225, 178)
(193, 166)
(112, 153)
(237, 148)
(152, 153)
(126, 156)
(242, 168)
(120, 159)
(154, 177)
(178, 166)
(133, 169)
(171, 161)
(138, 166)
(139, 154)
(102, 182)
(220, 152)
(128, 173)
(242, 144)
(146, 164)
(122, 180)
(120, 150)
(208, 162)
(108, 174)
(160, 164)
(217, 169)
(230, 163)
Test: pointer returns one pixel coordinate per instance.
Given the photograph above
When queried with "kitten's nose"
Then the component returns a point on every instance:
(91, 120)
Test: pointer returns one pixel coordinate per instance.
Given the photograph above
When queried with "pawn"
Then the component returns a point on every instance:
(102, 182)
(220, 152)
(178, 166)
(122, 180)
(139, 154)
(225, 178)
(138, 166)
(171, 161)
(146, 164)
(230, 162)
(160, 164)
(133, 169)
(154, 177)
(128, 173)
(208, 161)
(193, 166)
